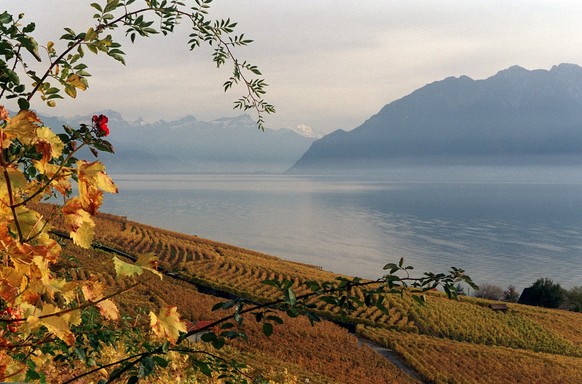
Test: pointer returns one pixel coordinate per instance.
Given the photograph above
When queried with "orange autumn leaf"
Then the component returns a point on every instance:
(60, 176)
(4, 113)
(93, 181)
(108, 309)
(48, 144)
(149, 261)
(56, 324)
(23, 127)
(93, 291)
(167, 324)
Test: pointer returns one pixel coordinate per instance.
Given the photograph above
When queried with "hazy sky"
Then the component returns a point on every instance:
(330, 64)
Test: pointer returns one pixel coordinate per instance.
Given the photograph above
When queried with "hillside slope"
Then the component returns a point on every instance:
(444, 341)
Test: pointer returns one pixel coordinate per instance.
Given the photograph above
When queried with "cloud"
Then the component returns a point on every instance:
(330, 63)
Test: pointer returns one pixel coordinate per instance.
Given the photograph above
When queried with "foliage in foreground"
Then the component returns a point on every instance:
(524, 330)
(50, 318)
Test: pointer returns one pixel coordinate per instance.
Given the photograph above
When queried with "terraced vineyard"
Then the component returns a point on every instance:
(442, 360)
(444, 341)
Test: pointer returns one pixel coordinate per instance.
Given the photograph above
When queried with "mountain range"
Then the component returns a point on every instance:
(515, 116)
(188, 145)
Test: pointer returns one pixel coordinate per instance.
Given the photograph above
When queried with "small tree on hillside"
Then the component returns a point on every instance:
(543, 293)
(511, 294)
(573, 298)
(489, 291)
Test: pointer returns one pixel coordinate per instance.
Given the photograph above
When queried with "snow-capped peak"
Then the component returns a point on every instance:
(307, 131)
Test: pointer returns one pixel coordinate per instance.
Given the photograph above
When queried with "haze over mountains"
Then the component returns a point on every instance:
(187, 145)
(516, 116)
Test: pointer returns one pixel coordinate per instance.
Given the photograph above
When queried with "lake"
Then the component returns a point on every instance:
(502, 225)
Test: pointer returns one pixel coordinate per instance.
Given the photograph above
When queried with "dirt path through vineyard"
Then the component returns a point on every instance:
(393, 357)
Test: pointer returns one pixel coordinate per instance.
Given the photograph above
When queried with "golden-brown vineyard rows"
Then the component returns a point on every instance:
(446, 361)
(326, 354)
(467, 321)
(521, 330)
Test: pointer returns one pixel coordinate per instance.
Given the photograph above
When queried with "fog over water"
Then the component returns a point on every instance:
(502, 225)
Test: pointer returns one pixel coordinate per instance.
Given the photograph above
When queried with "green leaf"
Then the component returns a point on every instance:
(276, 319)
(31, 46)
(160, 361)
(203, 367)
(313, 285)
(146, 366)
(292, 312)
(267, 329)
(272, 283)
(392, 267)
(419, 299)
(217, 306)
(104, 146)
(290, 296)
(125, 269)
(208, 337)
(218, 342)
(29, 28)
(111, 5)
(330, 300)
(97, 7)
(23, 104)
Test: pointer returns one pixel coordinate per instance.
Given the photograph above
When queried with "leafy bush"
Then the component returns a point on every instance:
(543, 293)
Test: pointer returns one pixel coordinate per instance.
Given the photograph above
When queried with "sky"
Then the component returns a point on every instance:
(330, 64)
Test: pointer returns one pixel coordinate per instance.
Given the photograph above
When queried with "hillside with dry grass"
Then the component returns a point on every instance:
(443, 341)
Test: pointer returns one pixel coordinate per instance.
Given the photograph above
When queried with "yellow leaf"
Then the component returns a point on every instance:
(18, 184)
(92, 181)
(92, 290)
(149, 261)
(30, 222)
(79, 223)
(91, 34)
(56, 324)
(94, 173)
(109, 310)
(61, 182)
(5, 362)
(167, 324)
(8, 284)
(23, 127)
(126, 269)
(71, 91)
(77, 81)
(48, 141)
(74, 318)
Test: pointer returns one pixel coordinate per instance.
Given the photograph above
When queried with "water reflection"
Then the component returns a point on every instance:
(500, 232)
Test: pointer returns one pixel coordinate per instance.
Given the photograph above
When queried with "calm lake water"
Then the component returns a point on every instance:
(502, 225)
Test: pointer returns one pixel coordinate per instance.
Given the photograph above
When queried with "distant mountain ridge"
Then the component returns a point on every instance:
(516, 114)
(188, 145)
